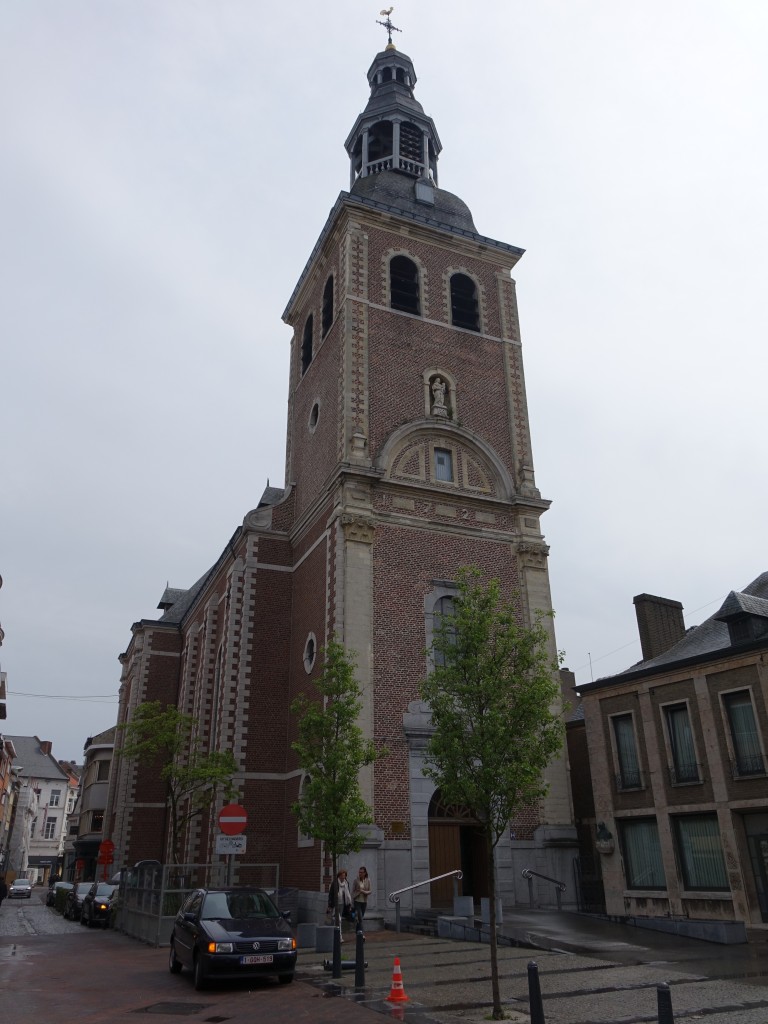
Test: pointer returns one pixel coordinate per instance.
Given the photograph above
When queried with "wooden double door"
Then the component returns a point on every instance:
(455, 841)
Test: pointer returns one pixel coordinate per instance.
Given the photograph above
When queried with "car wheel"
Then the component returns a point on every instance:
(285, 979)
(174, 964)
(199, 974)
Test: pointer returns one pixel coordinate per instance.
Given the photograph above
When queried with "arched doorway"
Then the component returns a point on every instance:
(456, 841)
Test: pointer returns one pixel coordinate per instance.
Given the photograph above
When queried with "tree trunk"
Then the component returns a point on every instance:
(498, 1013)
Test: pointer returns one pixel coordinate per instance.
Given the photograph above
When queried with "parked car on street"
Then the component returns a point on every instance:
(97, 904)
(50, 899)
(232, 933)
(20, 889)
(75, 898)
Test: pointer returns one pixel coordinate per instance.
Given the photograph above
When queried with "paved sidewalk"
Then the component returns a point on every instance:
(449, 982)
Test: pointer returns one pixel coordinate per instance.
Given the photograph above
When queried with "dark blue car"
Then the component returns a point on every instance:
(232, 933)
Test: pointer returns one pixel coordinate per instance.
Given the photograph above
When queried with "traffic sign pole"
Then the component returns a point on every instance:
(232, 821)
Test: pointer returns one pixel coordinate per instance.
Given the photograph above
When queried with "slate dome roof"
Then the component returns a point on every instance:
(398, 190)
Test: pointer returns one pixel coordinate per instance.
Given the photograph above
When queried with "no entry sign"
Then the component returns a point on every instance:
(232, 819)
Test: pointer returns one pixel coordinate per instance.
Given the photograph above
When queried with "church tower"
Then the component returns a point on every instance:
(409, 456)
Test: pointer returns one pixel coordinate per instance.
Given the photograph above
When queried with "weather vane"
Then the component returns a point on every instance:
(388, 24)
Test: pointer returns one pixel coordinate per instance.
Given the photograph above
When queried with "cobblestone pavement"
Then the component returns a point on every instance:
(103, 977)
(24, 918)
(449, 982)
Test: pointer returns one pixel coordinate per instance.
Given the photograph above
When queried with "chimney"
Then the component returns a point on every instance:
(568, 688)
(660, 622)
(46, 746)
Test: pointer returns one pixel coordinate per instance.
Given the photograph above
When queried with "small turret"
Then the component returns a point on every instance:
(393, 133)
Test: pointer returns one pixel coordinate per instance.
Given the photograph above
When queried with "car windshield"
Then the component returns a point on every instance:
(105, 889)
(83, 887)
(238, 906)
(23, 883)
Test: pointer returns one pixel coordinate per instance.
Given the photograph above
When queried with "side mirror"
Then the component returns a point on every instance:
(286, 915)
(190, 917)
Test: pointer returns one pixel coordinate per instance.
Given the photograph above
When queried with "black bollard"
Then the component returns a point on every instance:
(664, 998)
(360, 961)
(336, 952)
(534, 994)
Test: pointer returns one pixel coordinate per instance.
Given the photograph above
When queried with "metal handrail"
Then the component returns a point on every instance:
(394, 897)
(560, 887)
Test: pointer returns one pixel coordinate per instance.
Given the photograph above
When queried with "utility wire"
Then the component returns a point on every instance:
(101, 698)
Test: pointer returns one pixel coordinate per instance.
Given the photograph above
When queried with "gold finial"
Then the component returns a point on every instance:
(389, 26)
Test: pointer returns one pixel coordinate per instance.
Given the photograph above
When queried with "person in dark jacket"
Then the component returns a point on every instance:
(340, 898)
(3, 890)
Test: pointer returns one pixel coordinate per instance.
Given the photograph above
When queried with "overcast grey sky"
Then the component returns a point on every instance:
(165, 169)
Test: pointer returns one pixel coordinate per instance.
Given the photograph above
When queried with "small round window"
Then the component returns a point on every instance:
(314, 416)
(310, 653)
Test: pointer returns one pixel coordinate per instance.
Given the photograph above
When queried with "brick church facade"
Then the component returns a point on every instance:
(408, 455)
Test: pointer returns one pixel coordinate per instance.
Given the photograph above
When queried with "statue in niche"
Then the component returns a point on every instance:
(439, 388)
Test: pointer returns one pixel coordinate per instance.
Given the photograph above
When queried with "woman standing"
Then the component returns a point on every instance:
(361, 890)
(340, 898)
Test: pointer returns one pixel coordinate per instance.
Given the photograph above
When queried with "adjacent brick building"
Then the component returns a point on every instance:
(408, 455)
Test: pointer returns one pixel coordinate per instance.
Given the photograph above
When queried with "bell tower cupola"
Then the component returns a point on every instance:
(393, 133)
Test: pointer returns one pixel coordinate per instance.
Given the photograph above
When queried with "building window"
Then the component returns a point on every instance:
(97, 821)
(443, 465)
(103, 771)
(404, 285)
(628, 775)
(310, 653)
(50, 828)
(748, 756)
(327, 312)
(305, 840)
(55, 798)
(642, 854)
(444, 609)
(306, 345)
(684, 768)
(33, 828)
(699, 852)
(464, 306)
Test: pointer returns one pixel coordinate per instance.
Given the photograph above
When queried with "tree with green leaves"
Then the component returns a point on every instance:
(332, 750)
(495, 707)
(163, 735)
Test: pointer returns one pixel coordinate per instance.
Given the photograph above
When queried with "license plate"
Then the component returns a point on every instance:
(264, 959)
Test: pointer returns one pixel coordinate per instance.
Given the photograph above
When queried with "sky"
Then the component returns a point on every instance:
(165, 169)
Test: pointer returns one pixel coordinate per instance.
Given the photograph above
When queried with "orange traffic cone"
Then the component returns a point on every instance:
(397, 992)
